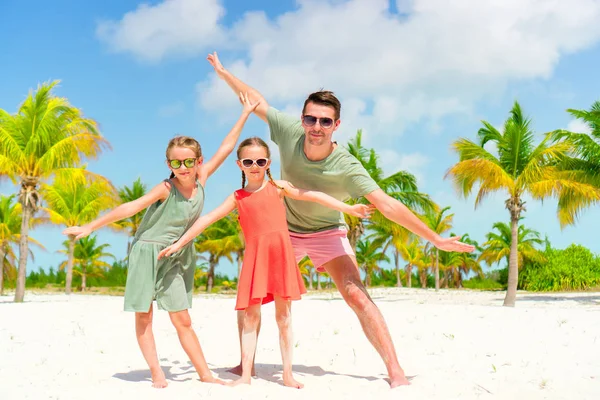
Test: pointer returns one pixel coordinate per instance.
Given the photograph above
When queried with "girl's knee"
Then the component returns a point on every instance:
(143, 318)
(283, 317)
(251, 317)
(181, 320)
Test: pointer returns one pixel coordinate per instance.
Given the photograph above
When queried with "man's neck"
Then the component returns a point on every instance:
(318, 153)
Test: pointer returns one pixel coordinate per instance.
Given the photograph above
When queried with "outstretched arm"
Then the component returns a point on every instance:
(397, 212)
(239, 87)
(199, 226)
(125, 210)
(358, 210)
(228, 144)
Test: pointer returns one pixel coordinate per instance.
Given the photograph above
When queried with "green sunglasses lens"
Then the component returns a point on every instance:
(175, 164)
(189, 162)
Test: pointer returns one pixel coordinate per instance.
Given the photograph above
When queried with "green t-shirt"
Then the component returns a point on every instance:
(340, 175)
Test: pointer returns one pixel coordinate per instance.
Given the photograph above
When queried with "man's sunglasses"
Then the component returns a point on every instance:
(188, 162)
(260, 162)
(309, 120)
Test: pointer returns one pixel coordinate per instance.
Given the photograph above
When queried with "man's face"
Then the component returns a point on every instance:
(319, 123)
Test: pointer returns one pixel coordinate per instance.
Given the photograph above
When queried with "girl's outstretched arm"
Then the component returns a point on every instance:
(358, 210)
(228, 144)
(199, 226)
(125, 210)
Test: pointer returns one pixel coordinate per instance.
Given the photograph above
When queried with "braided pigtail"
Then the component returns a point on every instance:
(271, 179)
(243, 180)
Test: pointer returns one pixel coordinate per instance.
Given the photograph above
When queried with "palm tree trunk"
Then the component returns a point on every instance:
(2, 253)
(367, 277)
(23, 252)
(409, 275)
(211, 275)
(423, 278)
(240, 258)
(318, 281)
(397, 261)
(437, 270)
(310, 280)
(83, 278)
(513, 263)
(70, 256)
(354, 235)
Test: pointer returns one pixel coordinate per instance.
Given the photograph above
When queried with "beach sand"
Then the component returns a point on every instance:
(454, 345)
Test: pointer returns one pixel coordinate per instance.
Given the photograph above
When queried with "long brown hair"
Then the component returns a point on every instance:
(186, 142)
(255, 141)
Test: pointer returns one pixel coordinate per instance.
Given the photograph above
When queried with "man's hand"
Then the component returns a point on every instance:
(213, 59)
(453, 244)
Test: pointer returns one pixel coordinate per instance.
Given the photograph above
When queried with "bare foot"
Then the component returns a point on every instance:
(241, 381)
(237, 370)
(158, 379)
(398, 380)
(212, 379)
(289, 381)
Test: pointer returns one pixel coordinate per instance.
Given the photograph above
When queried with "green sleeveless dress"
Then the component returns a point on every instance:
(170, 280)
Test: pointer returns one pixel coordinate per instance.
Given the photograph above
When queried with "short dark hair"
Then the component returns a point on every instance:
(324, 98)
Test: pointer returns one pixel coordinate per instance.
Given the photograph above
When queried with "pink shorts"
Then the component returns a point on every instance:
(321, 247)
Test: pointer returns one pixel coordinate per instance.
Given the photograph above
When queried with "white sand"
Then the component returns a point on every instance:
(457, 344)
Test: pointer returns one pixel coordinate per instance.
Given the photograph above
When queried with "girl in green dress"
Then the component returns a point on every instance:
(173, 206)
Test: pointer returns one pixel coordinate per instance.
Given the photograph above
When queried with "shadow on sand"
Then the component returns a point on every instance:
(591, 300)
(143, 375)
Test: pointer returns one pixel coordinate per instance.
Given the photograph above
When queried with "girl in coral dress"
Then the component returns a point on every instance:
(269, 271)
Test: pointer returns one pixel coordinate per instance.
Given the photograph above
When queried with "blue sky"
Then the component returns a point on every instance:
(414, 75)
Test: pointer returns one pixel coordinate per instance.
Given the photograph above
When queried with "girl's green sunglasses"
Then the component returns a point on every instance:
(188, 162)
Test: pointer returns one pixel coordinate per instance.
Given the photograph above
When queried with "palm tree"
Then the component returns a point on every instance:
(10, 233)
(88, 258)
(401, 185)
(467, 262)
(127, 194)
(73, 199)
(45, 136)
(586, 146)
(413, 254)
(368, 254)
(221, 239)
(395, 236)
(307, 269)
(498, 245)
(520, 168)
(439, 223)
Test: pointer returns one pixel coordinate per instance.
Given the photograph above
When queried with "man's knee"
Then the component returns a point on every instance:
(356, 296)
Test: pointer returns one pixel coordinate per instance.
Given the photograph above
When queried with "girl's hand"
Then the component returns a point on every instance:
(169, 250)
(78, 231)
(248, 106)
(361, 210)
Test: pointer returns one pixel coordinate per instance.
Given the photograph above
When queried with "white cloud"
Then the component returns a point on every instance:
(173, 27)
(414, 163)
(578, 126)
(432, 59)
(171, 110)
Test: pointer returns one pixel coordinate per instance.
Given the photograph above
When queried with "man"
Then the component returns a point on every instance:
(311, 160)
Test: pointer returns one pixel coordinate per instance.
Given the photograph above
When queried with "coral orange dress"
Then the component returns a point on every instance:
(269, 265)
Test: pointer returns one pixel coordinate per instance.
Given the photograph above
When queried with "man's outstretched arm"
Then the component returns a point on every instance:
(239, 87)
(397, 212)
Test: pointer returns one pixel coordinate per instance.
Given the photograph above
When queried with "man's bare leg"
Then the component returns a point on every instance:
(283, 315)
(249, 338)
(344, 272)
(237, 370)
(189, 341)
(145, 338)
